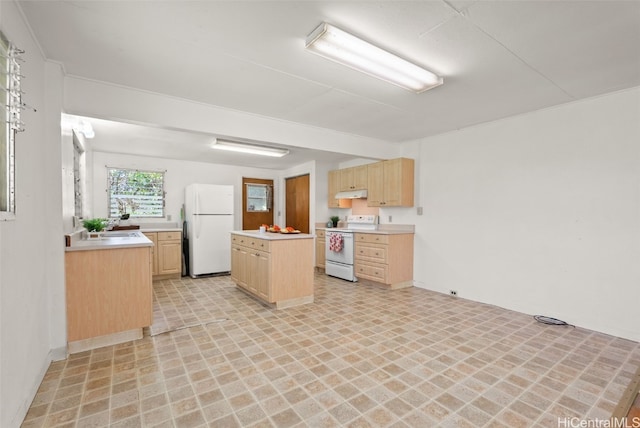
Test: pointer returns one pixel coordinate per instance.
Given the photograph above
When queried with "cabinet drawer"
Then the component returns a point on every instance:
(372, 238)
(169, 236)
(372, 272)
(251, 243)
(258, 244)
(376, 254)
(239, 240)
(242, 240)
(320, 234)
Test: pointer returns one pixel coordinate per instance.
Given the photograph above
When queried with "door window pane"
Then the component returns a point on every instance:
(258, 197)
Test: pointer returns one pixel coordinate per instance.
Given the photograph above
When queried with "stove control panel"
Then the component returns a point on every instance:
(362, 222)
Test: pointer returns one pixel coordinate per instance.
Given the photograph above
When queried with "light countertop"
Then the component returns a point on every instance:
(394, 231)
(131, 239)
(272, 236)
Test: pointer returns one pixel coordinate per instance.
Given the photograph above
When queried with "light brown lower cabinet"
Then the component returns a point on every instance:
(167, 254)
(278, 272)
(107, 291)
(384, 259)
(321, 258)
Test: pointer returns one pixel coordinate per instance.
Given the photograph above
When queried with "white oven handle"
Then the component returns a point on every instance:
(345, 235)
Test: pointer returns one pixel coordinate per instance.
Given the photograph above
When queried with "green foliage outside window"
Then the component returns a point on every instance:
(137, 193)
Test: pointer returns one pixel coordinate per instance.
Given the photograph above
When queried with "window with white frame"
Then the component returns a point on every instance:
(134, 192)
(78, 176)
(10, 96)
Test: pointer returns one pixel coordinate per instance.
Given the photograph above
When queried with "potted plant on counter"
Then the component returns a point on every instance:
(95, 227)
(334, 220)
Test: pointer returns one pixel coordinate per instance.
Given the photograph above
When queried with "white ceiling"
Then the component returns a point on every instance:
(498, 58)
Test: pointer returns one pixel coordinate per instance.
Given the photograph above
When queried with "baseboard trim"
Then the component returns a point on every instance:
(59, 354)
(18, 418)
(106, 340)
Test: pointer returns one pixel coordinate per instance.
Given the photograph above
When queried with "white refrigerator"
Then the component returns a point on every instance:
(208, 212)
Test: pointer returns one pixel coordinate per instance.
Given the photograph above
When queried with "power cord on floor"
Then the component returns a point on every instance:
(551, 321)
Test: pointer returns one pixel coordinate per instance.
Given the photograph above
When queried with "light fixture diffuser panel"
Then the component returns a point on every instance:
(344, 48)
(233, 146)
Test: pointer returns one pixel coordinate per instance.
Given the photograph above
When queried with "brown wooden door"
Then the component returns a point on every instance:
(252, 219)
(297, 202)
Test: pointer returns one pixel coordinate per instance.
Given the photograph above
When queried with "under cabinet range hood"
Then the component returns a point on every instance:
(352, 194)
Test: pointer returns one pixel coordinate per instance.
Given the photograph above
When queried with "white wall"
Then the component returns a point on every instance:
(31, 248)
(178, 175)
(538, 213)
(53, 187)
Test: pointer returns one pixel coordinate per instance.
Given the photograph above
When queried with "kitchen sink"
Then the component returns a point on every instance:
(122, 235)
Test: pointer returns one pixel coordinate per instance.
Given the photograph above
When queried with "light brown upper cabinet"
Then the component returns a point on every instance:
(354, 178)
(334, 187)
(390, 183)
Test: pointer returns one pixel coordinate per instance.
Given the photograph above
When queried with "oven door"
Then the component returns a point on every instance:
(345, 255)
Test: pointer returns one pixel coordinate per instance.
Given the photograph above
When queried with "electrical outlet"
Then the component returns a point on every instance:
(168, 217)
(453, 293)
(419, 210)
(390, 219)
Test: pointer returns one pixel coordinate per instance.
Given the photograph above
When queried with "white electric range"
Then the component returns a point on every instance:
(340, 248)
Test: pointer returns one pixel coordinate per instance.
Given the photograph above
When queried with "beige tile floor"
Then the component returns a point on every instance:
(359, 356)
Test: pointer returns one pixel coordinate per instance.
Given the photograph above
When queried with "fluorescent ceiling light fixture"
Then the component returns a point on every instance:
(346, 49)
(234, 146)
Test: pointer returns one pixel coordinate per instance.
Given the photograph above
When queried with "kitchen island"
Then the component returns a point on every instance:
(108, 289)
(276, 268)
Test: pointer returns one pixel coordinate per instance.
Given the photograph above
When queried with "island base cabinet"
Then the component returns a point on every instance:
(277, 272)
(239, 265)
(260, 268)
(251, 270)
(108, 292)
